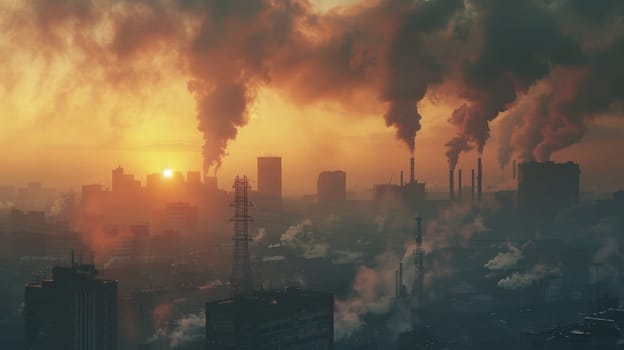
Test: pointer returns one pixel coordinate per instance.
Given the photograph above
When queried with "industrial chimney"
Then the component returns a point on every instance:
(472, 185)
(459, 185)
(451, 184)
(401, 280)
(412, 170)
(479, 179)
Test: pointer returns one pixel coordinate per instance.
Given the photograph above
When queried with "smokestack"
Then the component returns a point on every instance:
(479, 179)
(451, 184)
(472, 185)
(401, 178)
(412, 170)
(459, 185)
(514, 169)
(400, 278)
(396, 283)
(419, 280)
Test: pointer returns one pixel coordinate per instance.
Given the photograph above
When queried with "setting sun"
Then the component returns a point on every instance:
(168, 173)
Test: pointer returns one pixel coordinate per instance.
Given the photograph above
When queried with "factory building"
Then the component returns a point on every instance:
(389, 197)
(73, 310)
(546, 188)
(331, 186)
(270, 176)
(288, 319)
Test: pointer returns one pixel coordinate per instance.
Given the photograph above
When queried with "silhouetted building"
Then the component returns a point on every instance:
(31, 219)
(290, 319)
(331, 186)
(211, 183)
(546, 188)
(182, 217)
(193, 178)
(124, 182)
(73, 311)
(270, 176)
(388, 196)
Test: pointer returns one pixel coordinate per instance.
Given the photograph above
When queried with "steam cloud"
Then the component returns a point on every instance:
(519, 280)
(505, 260)
(302, 237)
(183, 331)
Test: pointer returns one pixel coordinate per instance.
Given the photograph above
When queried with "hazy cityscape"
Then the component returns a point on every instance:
(311, 174)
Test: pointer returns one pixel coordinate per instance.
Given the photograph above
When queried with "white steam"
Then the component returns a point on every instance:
(505, 260)
(183, 331)
(519, 280)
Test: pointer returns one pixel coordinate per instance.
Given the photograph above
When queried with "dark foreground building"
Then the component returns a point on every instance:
(546, 188)
(285, 320)
(73, 311)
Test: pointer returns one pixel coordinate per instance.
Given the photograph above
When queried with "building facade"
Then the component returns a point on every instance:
(73, 311)
(270, 176)
(546, 188)
(287, 320)
(331, 186)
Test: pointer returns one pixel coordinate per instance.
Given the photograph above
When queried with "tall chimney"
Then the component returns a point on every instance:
(401, 178)
(479, 179)
(472, 185)
(451, 184)
(459, 185)
(396, 284)
(514, 169)
(400, 279)
(412, 170)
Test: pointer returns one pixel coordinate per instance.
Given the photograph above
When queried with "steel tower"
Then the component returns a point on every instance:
(241, 282)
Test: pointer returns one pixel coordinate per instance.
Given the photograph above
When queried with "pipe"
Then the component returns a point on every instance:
(459, 185)
(412, 170)
(479, 179)
(451, 184)
(472, 186)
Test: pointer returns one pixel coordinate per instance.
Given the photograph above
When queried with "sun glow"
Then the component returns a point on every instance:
(167, 173)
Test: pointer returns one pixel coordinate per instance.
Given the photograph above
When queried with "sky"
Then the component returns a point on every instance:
(209, 85)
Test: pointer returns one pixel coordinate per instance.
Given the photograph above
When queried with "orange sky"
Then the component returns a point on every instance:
(67, 132)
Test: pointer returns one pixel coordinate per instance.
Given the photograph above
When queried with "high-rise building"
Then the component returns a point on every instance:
(73, 311)
(182, 217)
(124, 182)
(546, 188)
(270, 176)
(289, 319)
(331, 186)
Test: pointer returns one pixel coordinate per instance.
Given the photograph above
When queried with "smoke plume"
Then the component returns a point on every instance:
(521, 42)
(519, 280)
(189, 328)
(505, 260)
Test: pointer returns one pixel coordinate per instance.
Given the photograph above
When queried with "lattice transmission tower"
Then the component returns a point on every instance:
(241, 282)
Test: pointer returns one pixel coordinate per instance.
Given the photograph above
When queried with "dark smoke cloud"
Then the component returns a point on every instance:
(521, 42)
(411, 69)
(383, 57)
(456, 145)
(558, 112)
(587, 93)
(229, 49)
